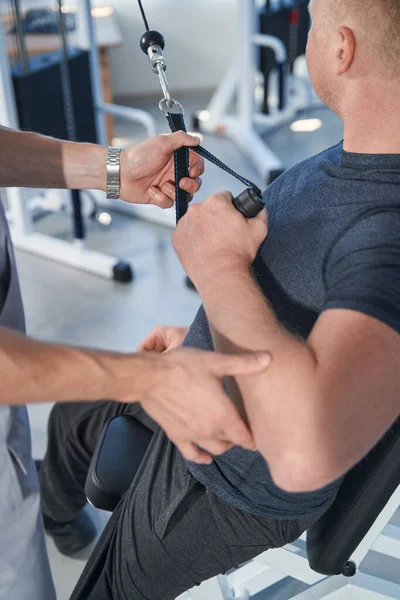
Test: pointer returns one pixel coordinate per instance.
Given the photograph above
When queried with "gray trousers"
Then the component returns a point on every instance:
(24, 567)
(168, 533)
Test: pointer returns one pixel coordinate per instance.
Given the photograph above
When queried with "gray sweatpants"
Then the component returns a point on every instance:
(168, 533)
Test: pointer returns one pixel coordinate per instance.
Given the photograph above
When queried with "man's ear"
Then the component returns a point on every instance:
(345, 51)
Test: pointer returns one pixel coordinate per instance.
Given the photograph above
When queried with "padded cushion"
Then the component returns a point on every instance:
(363, 494)
(116, 460)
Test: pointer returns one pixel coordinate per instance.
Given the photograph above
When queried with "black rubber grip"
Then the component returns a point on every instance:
(151, 38)
(249, 203)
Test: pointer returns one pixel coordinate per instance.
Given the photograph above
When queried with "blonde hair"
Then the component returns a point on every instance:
(379, 23)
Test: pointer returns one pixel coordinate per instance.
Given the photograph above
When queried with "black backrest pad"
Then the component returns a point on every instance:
(116, 460)
(364, 493)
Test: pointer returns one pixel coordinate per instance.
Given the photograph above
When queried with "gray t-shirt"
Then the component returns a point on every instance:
(333, 242)
(4, 258)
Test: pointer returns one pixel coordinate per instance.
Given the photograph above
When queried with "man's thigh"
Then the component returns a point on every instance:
(169, 534)
(73, 432)
(86, 420)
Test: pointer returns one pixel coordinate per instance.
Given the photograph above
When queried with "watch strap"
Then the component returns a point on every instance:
(113, 173)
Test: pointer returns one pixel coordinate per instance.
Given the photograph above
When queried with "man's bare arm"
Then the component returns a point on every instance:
(321, 405)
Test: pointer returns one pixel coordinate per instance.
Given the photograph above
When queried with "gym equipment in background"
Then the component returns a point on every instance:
(236, 93)
(43, 21)
(88, 110)
(46, 104)
(39, 97)
(289, 21)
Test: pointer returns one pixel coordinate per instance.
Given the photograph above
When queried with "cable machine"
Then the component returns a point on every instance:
(237, 88)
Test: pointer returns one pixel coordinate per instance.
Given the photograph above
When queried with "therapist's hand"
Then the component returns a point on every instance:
(163, 339)
(184, 395)
(147, 170)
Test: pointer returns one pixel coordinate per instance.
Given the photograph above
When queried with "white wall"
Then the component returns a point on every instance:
(200, 40)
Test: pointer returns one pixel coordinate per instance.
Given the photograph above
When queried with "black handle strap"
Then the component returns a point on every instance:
(181, 159)
(177, 123)
(213, 159)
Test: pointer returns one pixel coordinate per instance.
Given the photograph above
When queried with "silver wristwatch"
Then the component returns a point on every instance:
(113, 172)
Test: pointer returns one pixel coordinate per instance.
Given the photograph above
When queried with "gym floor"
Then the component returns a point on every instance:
(69, 306)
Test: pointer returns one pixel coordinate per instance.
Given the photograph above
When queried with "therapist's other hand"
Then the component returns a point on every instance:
(148, 174)
(163, 339)
(186, 398)
(213, 235)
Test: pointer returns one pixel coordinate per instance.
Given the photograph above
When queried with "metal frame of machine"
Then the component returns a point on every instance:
(243, 127)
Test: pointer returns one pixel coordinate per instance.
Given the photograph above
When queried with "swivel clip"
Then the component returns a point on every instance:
(152, 44)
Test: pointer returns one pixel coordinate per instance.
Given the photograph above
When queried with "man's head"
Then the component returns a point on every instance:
(352, 43)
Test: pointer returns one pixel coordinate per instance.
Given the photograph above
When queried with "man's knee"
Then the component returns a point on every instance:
(56, 417)
(62, 417)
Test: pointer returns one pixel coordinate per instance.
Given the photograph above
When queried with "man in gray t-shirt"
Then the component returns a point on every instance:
(333, 244)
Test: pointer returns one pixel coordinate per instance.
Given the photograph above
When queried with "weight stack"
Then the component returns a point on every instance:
(38, 95)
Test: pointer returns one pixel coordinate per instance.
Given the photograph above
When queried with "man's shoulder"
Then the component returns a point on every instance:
(305, 168)
(299, 179)
(331, 155)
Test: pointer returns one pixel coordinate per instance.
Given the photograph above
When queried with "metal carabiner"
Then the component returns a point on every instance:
(164, 84)
(175, 107)
(166, 104)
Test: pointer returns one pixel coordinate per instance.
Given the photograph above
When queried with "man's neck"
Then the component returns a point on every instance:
(372, 124)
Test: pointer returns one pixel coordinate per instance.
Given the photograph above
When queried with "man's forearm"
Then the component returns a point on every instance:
(32, 371)
(323, 403)
(280, 402)
(32, 160)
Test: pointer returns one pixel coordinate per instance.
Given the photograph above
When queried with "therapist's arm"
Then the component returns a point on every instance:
(147, 169)
(322, 404)
(181, 390)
